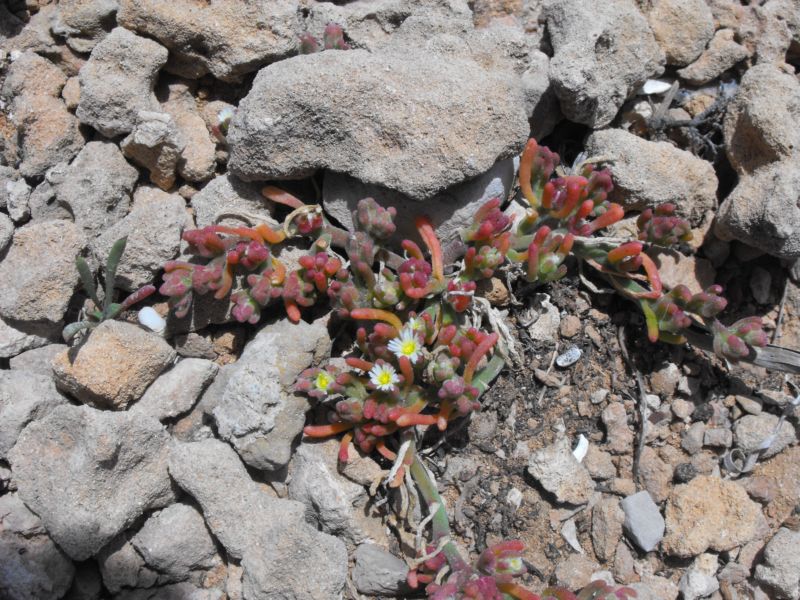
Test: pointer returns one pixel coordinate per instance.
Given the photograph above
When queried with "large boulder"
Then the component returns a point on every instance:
(32, 567)
(47, 132)
(117, 81)
(226, 38)
(114, 366)
(282, 555)
(24, 397)
(116, 466)
(259, 413)
(96, 187)
(408, 119)
(603, 52)
(38, 272)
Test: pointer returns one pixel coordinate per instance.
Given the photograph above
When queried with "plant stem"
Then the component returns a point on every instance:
(440, 524)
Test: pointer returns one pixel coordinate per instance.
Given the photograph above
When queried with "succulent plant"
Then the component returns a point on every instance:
(421, 357)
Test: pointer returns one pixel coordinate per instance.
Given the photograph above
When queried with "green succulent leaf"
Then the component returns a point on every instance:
(71, 330)
(114, 257)
(87, 279)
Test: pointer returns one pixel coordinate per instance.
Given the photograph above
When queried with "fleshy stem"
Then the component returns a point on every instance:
(440, 524)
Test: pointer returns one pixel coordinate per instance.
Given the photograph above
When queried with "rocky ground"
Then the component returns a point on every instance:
(139, 465)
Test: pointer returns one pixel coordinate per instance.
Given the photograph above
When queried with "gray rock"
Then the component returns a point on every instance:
(19, 193)
(176, 391)
(450, 212)
(227, 194)
(153, 227)
(723, 53)
(6, 174)
(560, 473)
(751, 431)
(643, 521)
(43, 204)
(38, 360)
(117, 81)
(83, 23)
(681, 27)
(233, 505)
(121, 566)
(87, 583)
(379, 573)
(780, 570)
(465, 133)
(333, 507)
(6, 232)
(259, 413)
(155, 144)
(97, 187)
(116, 465)
(718, 437)
(282, 555)
(225, 38)
(619, 437)
(40, 290)
(14, 341)
(602, 54)
(47, 132)
(699, 580)
(33, 567)
(693, 438)
(24, 397)
(760, 124)
(375, 24)
(771, 224)
(644, 173)
(175, 591)
(198, 158)
(175, 542)
(607, 519)
(114, 366)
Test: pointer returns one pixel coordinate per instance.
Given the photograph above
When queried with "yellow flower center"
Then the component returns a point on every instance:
(323, 381)
(384, 378)
(409, 347)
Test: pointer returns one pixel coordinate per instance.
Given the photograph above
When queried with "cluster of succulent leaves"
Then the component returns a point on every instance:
(332, 39)
(106, 308)
(419, 356)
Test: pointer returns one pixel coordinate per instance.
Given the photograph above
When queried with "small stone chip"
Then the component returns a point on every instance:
(569, 358)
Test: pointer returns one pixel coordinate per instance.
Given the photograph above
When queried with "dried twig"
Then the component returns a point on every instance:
(642, 403)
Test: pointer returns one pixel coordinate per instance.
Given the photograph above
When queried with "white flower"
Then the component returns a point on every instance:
(407, 344)
(383, 377)
(323, 381)
(415, 323)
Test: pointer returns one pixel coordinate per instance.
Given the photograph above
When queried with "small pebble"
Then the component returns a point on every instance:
(570, 326)
(685, 472)
(569, 358)
(703, 412)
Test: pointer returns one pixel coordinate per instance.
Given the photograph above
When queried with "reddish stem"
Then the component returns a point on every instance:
(526, 172)
(343, 447)
(380, 446)
(478, 354)
(428, 235)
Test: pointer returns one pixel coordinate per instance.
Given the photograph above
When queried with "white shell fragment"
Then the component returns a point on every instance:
(581, 448)
(654, 86)
(570, 357)
(149, 318)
